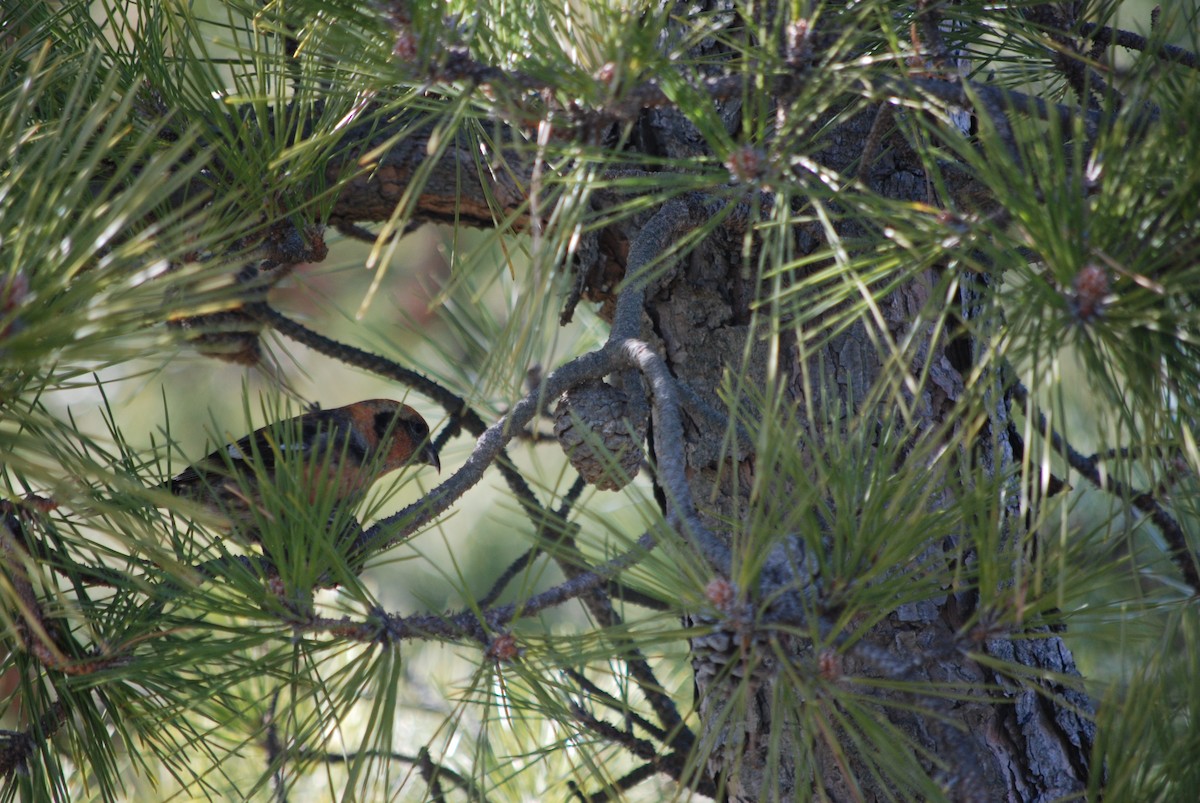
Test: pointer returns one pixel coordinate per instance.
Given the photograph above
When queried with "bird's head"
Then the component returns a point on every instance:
(398, 432)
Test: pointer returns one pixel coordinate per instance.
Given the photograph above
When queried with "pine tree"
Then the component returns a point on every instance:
(813, 381)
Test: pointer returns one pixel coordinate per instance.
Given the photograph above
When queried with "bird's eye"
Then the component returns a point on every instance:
(418, 429)
(383, 422)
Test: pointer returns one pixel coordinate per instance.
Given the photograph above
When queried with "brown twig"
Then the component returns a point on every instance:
(672, 765)
(614, 704)
(879, 126)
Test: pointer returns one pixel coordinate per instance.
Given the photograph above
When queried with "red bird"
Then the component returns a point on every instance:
(341, 453)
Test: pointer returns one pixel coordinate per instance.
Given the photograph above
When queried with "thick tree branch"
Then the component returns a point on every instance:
(992, 99)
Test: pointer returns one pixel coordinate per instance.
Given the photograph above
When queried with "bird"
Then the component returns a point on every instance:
(339, 452)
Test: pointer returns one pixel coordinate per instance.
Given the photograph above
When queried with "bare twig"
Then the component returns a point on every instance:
(647, 248)
(993, 98)
(643, 749)
(625, 782)
(614, 704)
(671, 765)
(488, 448)
(672, 463)
(518, 565)
(1105, 35)
(1143, 501)
(431, 773)
(273, 745)
(1055, 21)
(621, 349)
(879, 126)
(422, 759)
(16, 747)
(35, 633)
(470, 624)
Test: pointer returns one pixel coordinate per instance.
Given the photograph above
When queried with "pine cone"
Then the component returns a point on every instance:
(596, 411)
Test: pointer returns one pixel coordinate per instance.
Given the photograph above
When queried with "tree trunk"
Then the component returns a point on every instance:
(1010, 745)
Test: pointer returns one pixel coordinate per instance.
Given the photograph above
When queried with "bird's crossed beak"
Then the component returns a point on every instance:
(429, 457)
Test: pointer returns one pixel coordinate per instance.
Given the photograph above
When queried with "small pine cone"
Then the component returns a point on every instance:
(1091, 287)
(232, 336)
(598, 411)
(732, 652)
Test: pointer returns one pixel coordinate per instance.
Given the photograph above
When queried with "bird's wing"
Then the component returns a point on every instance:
(261, 450)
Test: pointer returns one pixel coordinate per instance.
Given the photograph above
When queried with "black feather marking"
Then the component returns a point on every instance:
(383, 425)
